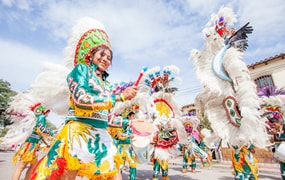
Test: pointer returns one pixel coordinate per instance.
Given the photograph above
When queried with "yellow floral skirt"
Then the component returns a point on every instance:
(80, 147)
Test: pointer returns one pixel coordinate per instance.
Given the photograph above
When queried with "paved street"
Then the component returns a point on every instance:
(220, 171)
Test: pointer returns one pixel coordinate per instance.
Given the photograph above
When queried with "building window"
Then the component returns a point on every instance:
(263, 81)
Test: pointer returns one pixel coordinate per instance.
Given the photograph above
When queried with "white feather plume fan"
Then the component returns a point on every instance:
(22, 118)
(203, 64)
(85, 24)
(51, 87)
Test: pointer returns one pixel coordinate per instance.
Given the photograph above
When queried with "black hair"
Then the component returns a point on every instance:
(131, 113)
(273, 120)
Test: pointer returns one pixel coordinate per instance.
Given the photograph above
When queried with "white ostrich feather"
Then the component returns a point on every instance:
(225, 12)
(78, 30)
(166, 154)
(51, 87)
(203, 65)
(278, 100)
(172, 68)
(22, 117)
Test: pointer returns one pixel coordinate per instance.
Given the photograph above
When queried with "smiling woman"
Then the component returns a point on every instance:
(83, 147)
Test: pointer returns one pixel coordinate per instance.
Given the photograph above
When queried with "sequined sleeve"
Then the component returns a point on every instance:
(89, 94)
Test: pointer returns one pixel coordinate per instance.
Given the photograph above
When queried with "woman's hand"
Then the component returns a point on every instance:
(130, 92)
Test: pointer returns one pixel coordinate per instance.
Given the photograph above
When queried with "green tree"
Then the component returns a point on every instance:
(5, 96)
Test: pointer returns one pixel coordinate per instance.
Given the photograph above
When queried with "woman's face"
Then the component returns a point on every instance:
(276, 125)
(102, 58)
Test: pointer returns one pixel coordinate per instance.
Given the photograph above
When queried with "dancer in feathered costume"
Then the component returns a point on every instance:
(121, 131)
(229, 98)
(166, 117)
(272, 102)
(277, 130)
(191, 149)
(244, 163)
(83, 147)
(28, 150)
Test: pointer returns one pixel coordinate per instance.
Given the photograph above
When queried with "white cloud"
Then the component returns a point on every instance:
(21, 64)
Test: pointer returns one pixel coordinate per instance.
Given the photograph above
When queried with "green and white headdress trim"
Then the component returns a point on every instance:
(86, 35)
(89, 41)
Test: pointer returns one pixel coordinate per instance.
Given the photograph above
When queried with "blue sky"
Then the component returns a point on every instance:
(142, 33)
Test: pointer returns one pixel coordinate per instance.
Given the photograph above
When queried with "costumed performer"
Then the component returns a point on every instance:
(191, 149)
(229, 99)
(276, 119)
(83, 147)
(27, 153)
(244, 163)
(166, 115)
(122, 133)
(272, 101)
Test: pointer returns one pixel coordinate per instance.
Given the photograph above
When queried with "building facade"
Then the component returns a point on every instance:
(269, 72)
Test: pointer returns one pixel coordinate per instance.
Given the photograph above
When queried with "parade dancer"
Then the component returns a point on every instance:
(27, 153)
(120, 130)
(165, 114)
(275, 116)
(279, 139)
(191, 150)
(244, 163)
(165, 138)
(229, 99)
(272, 101)
(189, 156)
(83, 147)
(278, 131)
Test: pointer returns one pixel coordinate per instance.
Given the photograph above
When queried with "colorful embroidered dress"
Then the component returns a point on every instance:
(79, 145)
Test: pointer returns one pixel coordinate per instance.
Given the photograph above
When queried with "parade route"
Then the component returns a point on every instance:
(219, 171)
